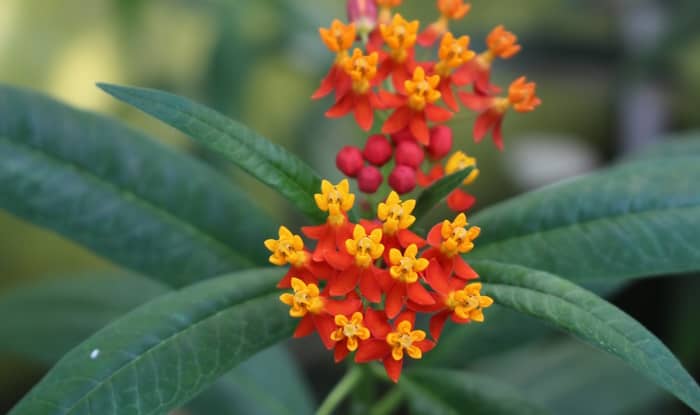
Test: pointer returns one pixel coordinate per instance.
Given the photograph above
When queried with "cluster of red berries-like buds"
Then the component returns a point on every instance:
(382, 77)
(362, 285)
(408, 156)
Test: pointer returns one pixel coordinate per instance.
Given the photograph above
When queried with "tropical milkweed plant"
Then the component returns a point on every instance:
(387, 288)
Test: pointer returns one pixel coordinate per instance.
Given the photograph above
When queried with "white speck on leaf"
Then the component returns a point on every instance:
(95, 353)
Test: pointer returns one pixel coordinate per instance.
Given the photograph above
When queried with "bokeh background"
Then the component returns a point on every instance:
(614, 75)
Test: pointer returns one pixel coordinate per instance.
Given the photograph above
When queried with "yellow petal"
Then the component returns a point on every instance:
(477, 315)
(352, 343)
(418, 335)
(297, 284)
(341, 320)
(411, 251)
(415, 352)
(356, 317)
(395, 256)
(397, 352)
(287, 298)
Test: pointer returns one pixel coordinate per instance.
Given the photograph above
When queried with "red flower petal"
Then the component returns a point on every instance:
(475, 102)
(384, 279)
(437, 114)
(463, 270)
(395, 299)
(325, 325)
(393, 368)
(437, 323)
(429, 36)
(399, 76)
(484, 123)
(425, 345)
(305, 327)
(372, 349)
(389, 100)
(419, 127)
(409, 316)
(437, 279)
(315, 232)
(418, 293)
(345, 282)
(364, 114)
(369, 287)
(341, 351)
(345, 307)
(377, 323)
(459, 200)
(447, 95)
(342, 107)
(435, 235)
(327, 84)
(397, 121)
(497, 134)
(406, 238)
(338, 260)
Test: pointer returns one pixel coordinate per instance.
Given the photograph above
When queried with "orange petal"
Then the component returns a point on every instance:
(459, 200)
(437, 323)
(364, 114)
(397, 121)
(419, 128)
(342, 107)
(395, 299)
(393, 368)
(437, 114)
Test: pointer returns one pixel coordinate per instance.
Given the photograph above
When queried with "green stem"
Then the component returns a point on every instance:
(340, 391)
(388, 404)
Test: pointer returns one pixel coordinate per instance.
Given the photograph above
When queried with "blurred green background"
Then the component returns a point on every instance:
(614, 75)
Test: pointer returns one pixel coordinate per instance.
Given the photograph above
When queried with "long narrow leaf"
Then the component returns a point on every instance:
(448, 392)
(589, 317)
(51, 317)
(264, 160)
(121, 194)
(634, 220)
(167, 351)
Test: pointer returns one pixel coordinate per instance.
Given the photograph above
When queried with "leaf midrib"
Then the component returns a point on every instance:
(222, 131)
(137, 199)
(163, 342)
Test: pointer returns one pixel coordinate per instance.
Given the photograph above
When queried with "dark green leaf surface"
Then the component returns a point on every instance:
(637, 219)
(264, 160)
(447, 392)
(439, 191)
(121, 194)
(569, 377)
(51, 317)
(165, 352)
(589, 317)
(681, 146)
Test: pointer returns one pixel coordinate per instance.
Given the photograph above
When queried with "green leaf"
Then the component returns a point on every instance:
(589, 317)
(165, 352)
(439, 191)
(121, 194)
(251, 389)
(634, 220)
(448, 392)
(564, 375)
(683, 145)
(264, 160)
(53, 316)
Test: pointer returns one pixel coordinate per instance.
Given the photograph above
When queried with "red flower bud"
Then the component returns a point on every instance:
(403, 135)
(368, 179)
(377, 150)
(364, 14)
(409, 153)
(402, 179)
(349, 161)
(440, 142)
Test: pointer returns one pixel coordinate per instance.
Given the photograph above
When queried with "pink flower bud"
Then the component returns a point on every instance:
(349, 161)
(409, 153)
(377, 150)
(440, 142)
(364, 14)
(402, 179)
(368, 179)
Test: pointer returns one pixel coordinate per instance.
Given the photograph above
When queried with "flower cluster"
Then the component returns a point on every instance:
(377, 73)
(362, 284)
